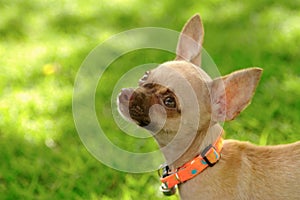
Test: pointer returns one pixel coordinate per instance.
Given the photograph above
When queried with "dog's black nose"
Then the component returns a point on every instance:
(144, 123)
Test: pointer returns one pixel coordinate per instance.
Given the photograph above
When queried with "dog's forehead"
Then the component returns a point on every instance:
(171, 73)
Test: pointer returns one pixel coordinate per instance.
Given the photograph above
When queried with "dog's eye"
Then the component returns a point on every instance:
(170, 102)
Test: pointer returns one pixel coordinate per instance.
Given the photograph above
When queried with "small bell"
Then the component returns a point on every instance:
(166, 191)
(164, 188)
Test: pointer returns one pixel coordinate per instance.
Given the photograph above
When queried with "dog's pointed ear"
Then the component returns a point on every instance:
(232, 93)
(190, 41)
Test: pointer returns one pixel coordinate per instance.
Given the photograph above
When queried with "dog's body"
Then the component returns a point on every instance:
(246, 171)
(182, 106)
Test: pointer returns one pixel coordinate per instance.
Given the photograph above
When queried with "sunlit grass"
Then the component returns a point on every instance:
(43, 43)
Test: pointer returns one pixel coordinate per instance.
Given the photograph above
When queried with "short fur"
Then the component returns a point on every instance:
(166, 102)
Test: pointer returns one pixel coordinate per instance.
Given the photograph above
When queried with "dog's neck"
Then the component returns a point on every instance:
(195, 145)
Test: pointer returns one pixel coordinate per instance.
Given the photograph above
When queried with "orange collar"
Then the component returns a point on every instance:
(210, 156)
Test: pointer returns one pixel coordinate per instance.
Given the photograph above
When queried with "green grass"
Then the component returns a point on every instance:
(43, 43)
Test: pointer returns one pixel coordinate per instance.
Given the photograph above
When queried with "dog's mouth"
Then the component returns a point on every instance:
(134, 106)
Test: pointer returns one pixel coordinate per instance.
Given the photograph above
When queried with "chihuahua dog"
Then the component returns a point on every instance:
(183, 107)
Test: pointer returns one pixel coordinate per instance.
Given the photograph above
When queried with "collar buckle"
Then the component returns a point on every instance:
(210, 155)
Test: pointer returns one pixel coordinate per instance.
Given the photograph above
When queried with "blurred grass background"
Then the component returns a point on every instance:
(43, 43)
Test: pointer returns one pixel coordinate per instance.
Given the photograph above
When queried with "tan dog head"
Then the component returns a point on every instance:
(179, 95)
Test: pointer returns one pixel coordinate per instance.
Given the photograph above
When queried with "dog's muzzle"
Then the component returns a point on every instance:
(134, 105)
